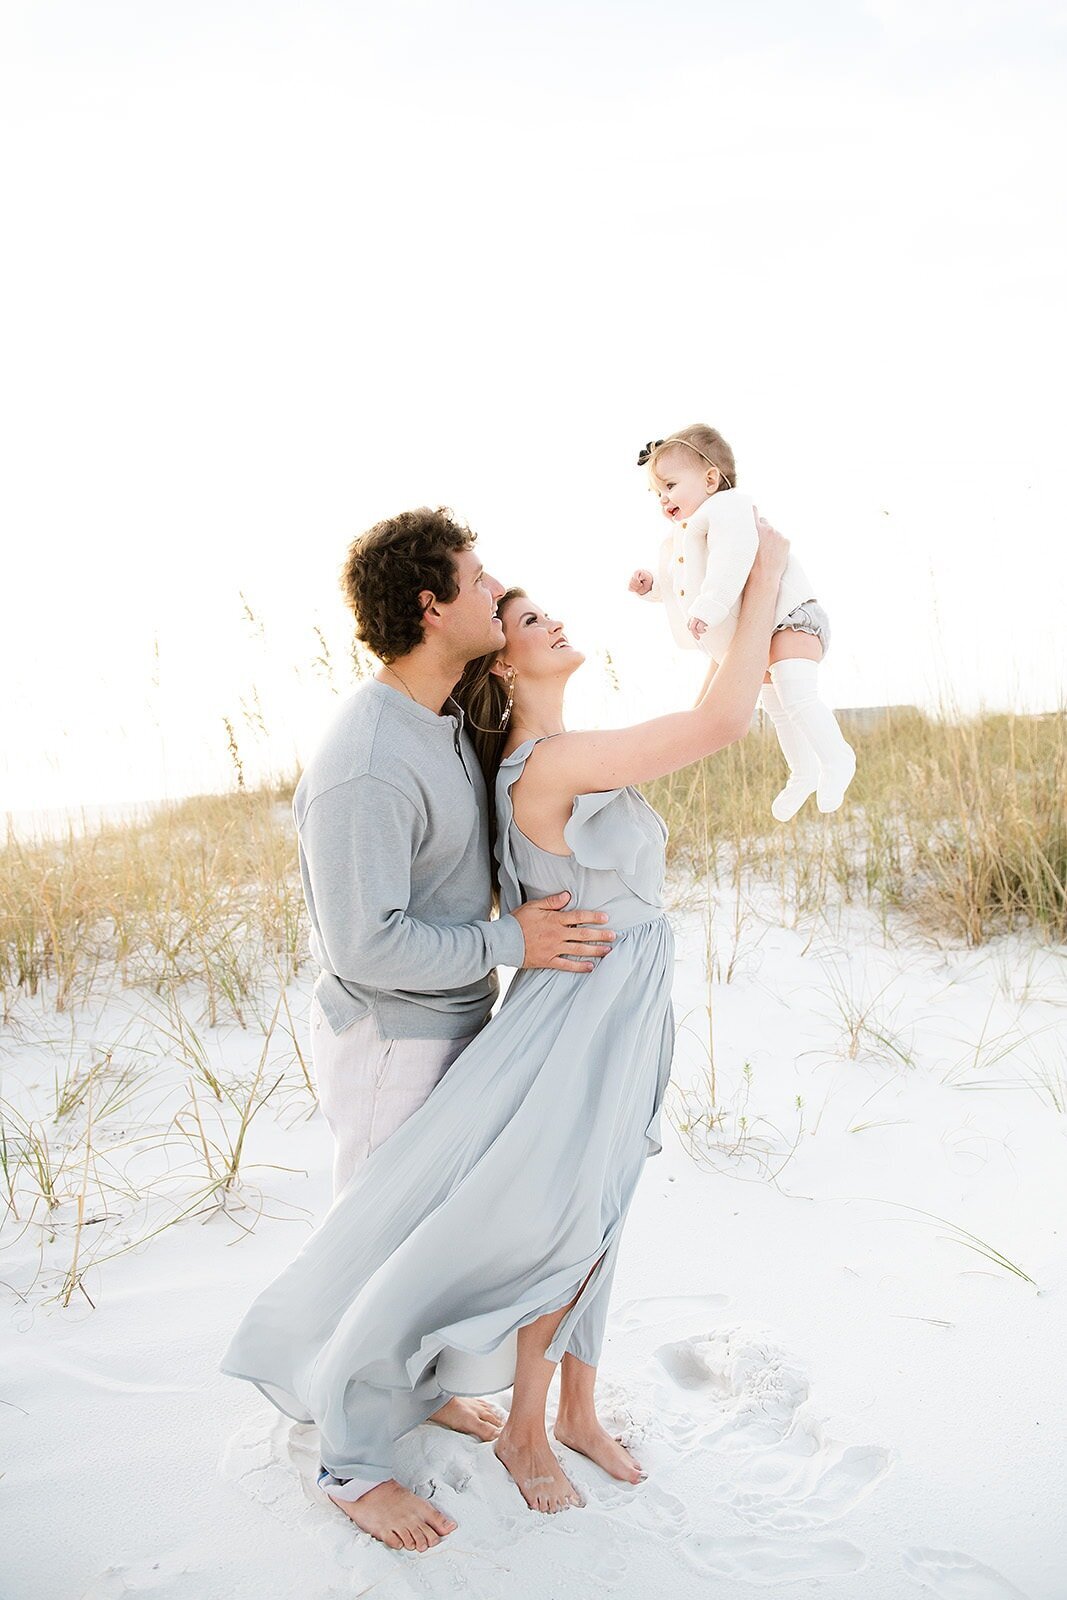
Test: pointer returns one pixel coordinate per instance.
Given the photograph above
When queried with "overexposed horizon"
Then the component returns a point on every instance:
(274, 273)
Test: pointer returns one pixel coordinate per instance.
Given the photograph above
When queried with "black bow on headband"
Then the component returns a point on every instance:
(644, 455)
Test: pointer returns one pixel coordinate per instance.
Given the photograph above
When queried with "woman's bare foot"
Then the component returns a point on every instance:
(586, 1435)
(397, 1517)
(477, 1417)
(535, 1471)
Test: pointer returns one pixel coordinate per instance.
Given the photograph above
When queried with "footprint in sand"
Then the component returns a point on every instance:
(742, 1403)
(750, 1389)
(648, 1507)
(275, 1461)
(951, 1575)
(608, 1561)
(166, 1574)
(788, 1493)
(764, 1561)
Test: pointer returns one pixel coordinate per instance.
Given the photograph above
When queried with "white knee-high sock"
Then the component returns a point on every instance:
(797, 685)
(800, 757)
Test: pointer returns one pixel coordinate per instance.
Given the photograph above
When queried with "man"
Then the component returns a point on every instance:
(392, 819)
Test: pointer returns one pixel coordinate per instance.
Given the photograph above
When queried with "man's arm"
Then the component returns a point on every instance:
(358, 843)
(357, 857)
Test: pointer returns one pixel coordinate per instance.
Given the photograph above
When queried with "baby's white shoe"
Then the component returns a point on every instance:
(788, 801)
(834, 779)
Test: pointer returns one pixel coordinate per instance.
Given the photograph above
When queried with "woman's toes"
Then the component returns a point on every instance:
(439, 1521)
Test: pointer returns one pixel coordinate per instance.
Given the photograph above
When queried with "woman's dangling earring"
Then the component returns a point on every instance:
(511, 698)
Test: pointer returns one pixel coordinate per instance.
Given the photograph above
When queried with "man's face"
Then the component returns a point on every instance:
(470, 624)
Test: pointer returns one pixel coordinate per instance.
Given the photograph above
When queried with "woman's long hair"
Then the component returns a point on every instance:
(484, 697)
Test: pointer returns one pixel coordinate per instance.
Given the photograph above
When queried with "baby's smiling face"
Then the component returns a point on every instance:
(683, 481)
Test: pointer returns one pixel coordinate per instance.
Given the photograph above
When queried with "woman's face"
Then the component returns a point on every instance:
(535, 643)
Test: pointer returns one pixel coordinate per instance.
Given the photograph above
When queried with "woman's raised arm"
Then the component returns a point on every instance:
(610, 758)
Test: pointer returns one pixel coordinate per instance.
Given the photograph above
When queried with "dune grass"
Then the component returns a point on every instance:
(196, 912)
(200, 890)
(961, 823)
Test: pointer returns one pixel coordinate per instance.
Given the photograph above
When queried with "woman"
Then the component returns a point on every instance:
(497, 1207)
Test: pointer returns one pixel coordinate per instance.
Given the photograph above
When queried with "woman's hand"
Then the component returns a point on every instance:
(641, 582)
(696, 626)
(773, 552)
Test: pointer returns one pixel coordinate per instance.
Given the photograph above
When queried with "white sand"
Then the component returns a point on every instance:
(834, 1394)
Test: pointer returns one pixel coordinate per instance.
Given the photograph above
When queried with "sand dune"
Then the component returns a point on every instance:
(818, 1346)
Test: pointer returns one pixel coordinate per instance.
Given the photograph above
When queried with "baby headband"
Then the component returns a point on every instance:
(644, 455)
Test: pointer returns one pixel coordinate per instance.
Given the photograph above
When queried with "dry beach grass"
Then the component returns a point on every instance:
(961, 822)
(143, 943)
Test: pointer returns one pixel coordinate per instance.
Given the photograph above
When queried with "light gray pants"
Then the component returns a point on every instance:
(368, 1086)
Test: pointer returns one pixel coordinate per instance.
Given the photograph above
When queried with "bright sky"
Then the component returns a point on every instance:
(276, 270)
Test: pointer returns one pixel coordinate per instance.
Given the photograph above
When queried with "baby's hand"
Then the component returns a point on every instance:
(696, 627)
(641, 582)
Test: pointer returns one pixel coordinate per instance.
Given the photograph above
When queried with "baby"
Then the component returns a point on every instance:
(703, 564)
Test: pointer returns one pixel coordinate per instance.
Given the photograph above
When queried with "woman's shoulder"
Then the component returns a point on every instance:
(554, 769)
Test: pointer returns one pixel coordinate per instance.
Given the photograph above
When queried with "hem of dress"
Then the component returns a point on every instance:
(369, 1482)
(258, 1383)
(588, 1277)
(475, 1394)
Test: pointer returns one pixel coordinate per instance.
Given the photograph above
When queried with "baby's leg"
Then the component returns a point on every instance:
(791, 645)
(794, 675)
(800, 757)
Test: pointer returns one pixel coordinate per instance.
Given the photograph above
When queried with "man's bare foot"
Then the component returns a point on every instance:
(537, 1474)
(469, 1416)
(586, 1435)
(397, 1517)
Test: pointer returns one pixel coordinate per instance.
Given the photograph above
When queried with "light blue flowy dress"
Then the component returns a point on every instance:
(506, 1191)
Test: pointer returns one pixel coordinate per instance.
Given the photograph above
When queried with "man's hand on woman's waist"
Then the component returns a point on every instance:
(557, 938)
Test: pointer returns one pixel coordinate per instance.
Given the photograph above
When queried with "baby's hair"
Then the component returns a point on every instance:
(707, 442)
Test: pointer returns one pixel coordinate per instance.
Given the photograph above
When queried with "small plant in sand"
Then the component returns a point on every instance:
(729, 1140)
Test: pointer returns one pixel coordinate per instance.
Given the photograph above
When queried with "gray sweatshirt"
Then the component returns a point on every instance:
(392, 821)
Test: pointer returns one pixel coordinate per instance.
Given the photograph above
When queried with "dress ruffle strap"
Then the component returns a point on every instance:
(511, 768)
(607, 831)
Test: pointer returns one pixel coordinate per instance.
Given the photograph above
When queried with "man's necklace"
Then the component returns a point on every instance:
(400, 680)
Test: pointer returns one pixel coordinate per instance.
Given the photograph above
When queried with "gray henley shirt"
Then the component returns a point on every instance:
(392, 822)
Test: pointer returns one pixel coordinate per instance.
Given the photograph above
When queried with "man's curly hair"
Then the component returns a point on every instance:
(389, 566)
